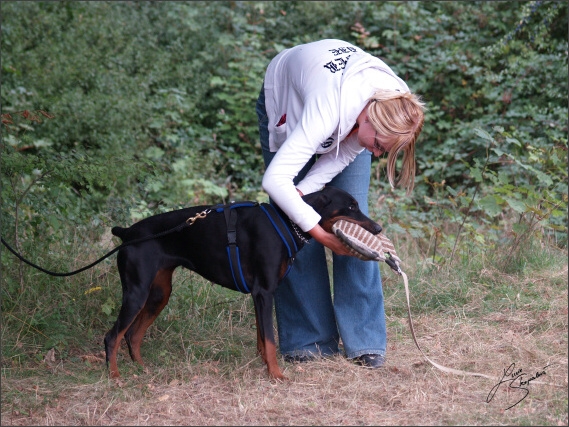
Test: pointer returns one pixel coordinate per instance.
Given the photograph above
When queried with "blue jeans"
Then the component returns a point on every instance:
(310, 320)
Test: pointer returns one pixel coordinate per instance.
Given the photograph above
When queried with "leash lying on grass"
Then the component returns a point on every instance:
(370, 247)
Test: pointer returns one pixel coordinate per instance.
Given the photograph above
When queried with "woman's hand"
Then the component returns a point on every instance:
(329, 240)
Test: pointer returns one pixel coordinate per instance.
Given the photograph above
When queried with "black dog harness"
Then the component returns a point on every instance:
(279, 225)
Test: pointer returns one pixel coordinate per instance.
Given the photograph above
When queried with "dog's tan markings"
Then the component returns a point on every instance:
(114, 347)
(268, 352)
(327, 225)
(271, 360)
(113, 368)
(157, 299)
(283, 270)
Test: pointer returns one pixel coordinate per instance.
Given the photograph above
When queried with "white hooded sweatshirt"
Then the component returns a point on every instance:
(313, 95)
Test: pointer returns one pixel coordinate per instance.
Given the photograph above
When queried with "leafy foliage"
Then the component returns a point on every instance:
(481, 68)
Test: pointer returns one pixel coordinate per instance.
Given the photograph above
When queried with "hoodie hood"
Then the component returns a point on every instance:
(363, 76)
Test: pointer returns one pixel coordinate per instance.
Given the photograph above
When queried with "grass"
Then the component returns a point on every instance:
(202, 367)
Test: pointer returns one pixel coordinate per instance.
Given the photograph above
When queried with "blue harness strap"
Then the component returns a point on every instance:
(280, 226)
(233, 250)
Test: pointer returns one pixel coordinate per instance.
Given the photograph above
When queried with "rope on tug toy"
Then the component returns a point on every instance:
(377, 247)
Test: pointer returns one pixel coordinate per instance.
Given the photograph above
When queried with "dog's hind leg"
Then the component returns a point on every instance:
(115, 335)
(158, 298)
(135, 287)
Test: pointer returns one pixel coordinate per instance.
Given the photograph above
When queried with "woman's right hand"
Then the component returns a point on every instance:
(329, 240)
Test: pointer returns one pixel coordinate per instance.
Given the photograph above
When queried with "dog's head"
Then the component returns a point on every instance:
(333, 204)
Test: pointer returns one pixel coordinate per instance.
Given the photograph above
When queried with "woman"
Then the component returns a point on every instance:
(325, 107)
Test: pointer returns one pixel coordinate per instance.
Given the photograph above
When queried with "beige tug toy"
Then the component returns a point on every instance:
(365, 245)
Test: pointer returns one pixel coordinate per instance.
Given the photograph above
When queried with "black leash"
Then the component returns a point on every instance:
(132, 242)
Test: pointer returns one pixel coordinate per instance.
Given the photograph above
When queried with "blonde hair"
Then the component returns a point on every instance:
(400, 117)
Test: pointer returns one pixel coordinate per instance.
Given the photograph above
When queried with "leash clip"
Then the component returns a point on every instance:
(391, 263)
(193, 219)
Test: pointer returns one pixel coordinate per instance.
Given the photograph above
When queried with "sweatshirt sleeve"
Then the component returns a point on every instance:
(318, 121)
(278, 183)
(329, 165)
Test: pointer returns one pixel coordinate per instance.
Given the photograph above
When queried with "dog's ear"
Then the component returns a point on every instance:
(318, 200)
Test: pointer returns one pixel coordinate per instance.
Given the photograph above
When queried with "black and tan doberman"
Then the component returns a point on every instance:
(242, 246)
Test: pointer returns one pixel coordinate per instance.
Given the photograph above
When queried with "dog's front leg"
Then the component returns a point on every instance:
(265, 336)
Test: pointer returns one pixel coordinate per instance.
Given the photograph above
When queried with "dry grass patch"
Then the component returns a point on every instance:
(180, 387)
(408, 391)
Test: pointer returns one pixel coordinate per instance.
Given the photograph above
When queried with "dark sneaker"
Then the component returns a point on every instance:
(372, 361)
(299, 358)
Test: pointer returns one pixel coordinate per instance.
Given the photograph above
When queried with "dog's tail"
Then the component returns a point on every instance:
(119, 232)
